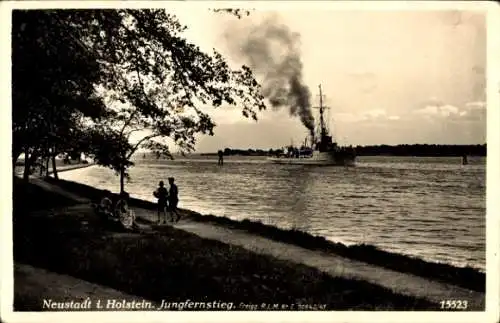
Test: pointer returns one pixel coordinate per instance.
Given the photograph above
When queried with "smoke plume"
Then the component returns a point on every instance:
(271, 50)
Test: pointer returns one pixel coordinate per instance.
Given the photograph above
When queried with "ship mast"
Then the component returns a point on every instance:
(321, 119)
(323, 129)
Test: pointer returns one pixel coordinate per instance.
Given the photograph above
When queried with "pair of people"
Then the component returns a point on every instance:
(118, 209)
(167, 201)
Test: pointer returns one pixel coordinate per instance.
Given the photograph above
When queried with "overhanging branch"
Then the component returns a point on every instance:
(134, 148)
(135, 130)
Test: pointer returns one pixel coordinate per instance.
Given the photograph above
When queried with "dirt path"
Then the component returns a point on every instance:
(69, 167)
(34, 179)
(56, 189)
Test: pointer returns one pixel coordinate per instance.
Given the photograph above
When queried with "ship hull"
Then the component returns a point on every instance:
(318, 159)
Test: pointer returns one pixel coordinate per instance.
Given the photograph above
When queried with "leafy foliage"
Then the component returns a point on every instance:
(161, 80)
(104, 145)
(235, 12)
(156, 81)
(52, 85)
(133, 69)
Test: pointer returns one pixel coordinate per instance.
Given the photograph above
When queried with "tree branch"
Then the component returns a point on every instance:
(134, 148)
(132, 115)
(134, 130)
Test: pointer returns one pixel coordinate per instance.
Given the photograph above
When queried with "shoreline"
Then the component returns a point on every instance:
(60, 169)
(174, 263)
(467, 277)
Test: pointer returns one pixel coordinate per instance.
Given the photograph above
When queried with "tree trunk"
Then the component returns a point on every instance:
(28, 162)
(54, 169)
(122, 179)
(26, 174)
(47, 160)
(41, 166)
(15, 157)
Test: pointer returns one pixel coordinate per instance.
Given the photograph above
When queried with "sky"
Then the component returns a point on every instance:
(389, 77)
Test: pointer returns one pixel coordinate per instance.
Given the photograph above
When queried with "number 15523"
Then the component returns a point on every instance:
(453, 304)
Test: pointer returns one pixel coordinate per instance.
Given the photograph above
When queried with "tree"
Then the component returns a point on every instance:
(136, 64)
(53, 79)
(156, 82)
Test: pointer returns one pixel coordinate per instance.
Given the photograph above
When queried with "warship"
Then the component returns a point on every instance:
(319, 149)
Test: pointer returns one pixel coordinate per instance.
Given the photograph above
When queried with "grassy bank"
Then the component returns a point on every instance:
(174, 265)
(464, 277)
(27, 197)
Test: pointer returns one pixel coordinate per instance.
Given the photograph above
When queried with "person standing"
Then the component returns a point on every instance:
(161, 194)
(173, 200)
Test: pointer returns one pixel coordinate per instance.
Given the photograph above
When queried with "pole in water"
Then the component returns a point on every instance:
(464, 160)
(221, 158)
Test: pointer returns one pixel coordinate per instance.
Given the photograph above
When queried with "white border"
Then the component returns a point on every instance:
(493, 174)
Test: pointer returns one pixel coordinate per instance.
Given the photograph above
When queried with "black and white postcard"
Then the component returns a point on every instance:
(288, 161)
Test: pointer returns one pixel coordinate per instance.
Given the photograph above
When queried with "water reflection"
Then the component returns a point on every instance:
(297, 182)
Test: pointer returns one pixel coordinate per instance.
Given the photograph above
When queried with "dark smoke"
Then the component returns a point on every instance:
(271, 50)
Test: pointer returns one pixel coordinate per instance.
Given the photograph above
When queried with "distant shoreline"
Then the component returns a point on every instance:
(413, 150)
(466, 277)
(369, 155)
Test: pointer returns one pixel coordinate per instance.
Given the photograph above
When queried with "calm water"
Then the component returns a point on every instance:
(433, 208)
